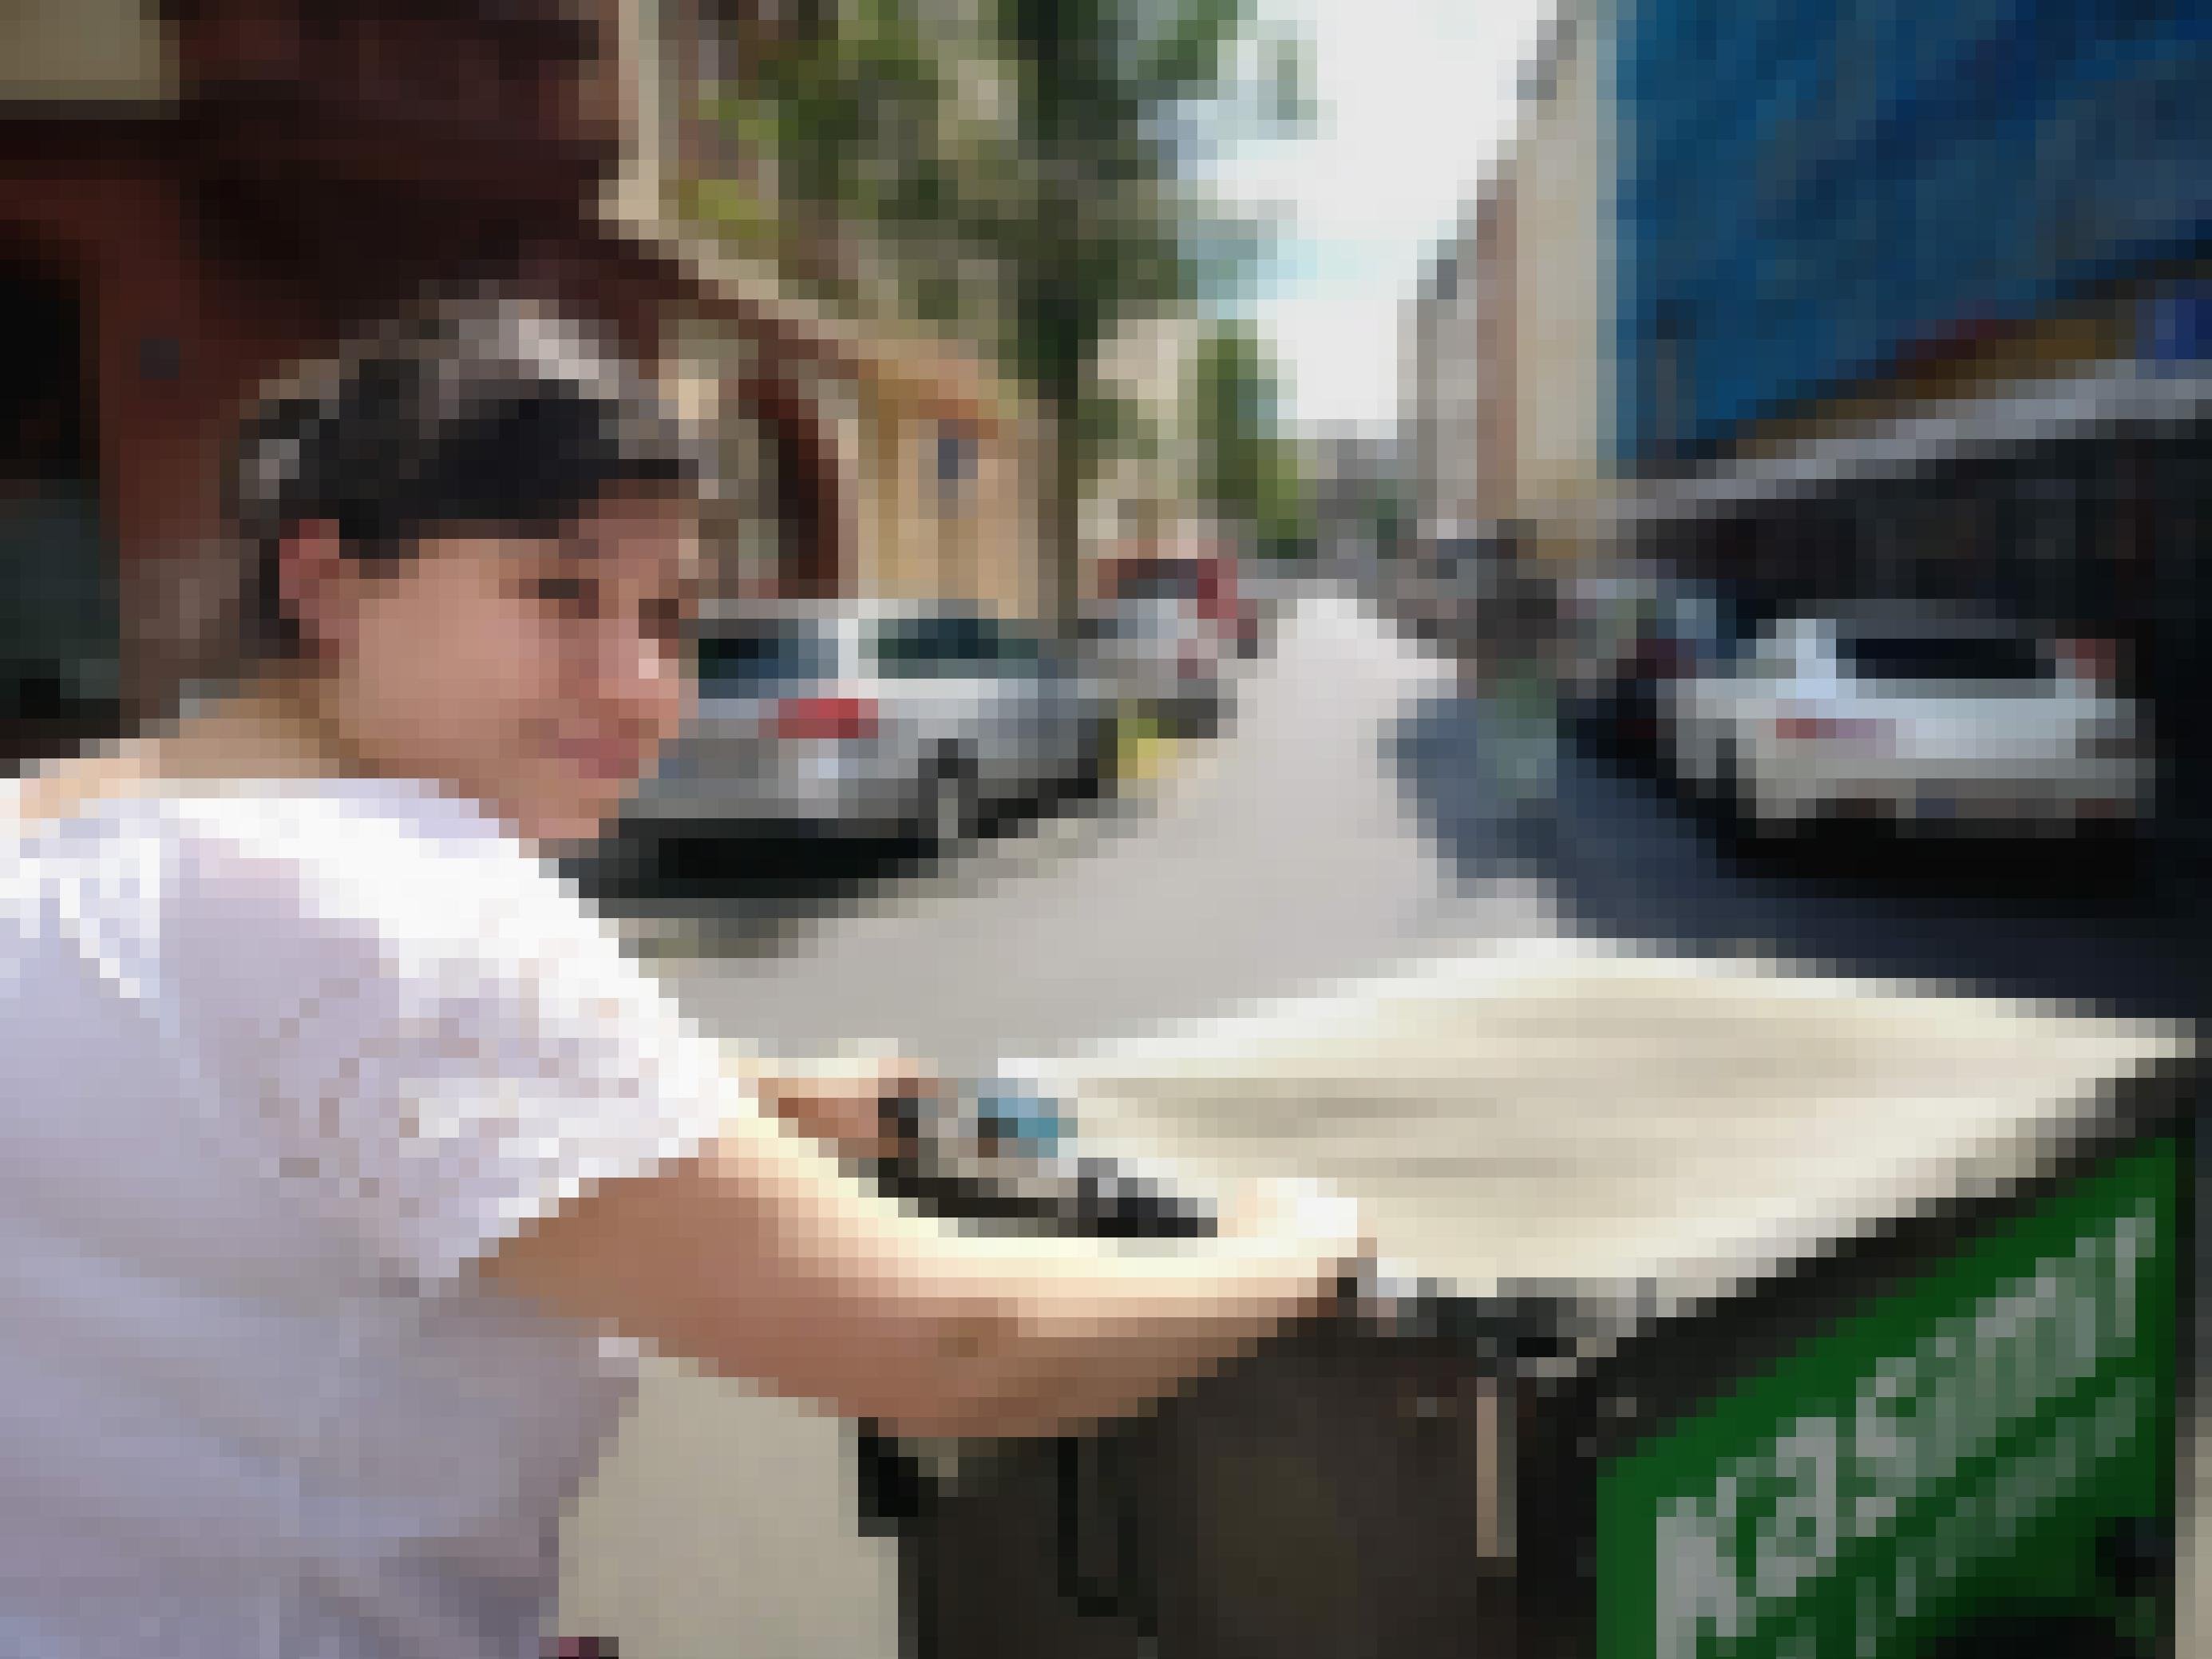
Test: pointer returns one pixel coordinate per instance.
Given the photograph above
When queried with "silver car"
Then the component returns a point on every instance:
(1163, 659)
(869, 721)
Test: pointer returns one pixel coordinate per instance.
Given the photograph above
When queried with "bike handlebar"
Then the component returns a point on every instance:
(997, 1154)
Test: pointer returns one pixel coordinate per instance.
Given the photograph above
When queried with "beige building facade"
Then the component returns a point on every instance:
(901, 467)
(1564, 386)
(1445, 380)
(1144, 493)
(1460, 371)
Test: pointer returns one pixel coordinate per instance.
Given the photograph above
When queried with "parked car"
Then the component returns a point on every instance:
(1163, 659)
(873, 722)
(1442, 587)
(1604, 613)
(1207, 582)
(1641, 640)
(1417, 595)
(1920, 720)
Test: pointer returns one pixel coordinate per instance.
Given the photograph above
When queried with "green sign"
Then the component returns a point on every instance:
(1960, 1442)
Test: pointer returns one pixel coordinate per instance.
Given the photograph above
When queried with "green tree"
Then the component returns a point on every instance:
(1021, 171)
(854, 134)
(1286, 525)
(1247, 469)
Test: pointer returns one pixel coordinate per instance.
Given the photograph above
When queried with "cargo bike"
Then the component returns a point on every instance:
(1763, 1314)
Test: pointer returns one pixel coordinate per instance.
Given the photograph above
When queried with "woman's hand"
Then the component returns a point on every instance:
(842, 1103)
(1302, 1213)
(760, 1258)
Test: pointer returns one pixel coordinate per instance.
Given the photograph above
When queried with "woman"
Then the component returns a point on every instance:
(349, 1164)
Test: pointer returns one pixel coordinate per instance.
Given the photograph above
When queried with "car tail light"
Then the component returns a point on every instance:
(1821, 728)
(825, 720)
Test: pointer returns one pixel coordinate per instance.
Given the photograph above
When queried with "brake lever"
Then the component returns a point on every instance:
(1004, 1154)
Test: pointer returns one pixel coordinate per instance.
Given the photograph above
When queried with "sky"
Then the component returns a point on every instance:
(1416, 99)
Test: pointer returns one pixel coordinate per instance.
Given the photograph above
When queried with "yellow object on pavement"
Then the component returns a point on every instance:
(1146, 751)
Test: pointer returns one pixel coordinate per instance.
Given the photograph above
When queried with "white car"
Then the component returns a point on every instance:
(872, 721)
(1921, 721)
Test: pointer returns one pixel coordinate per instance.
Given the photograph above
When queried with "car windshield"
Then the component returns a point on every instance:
(1139, 620)
(1947, 659)
(765, 659)
(1164, 583)
(949, 644)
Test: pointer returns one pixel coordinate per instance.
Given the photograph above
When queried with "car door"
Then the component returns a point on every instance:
(935, 674)
(1028, 728)
(1970, 706)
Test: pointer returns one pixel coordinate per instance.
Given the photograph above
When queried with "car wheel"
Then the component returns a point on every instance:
(1746, 832)
(1727, 807)
(1203, 717)
(1677, 778)
(2105, 861)
(1695, 775)
(953, 808)
(1094, 770)
(631, 862)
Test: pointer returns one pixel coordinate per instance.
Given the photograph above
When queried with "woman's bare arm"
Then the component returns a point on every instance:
(760, 1259)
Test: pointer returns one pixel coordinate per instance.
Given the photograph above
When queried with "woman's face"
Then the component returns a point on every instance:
(538, 676)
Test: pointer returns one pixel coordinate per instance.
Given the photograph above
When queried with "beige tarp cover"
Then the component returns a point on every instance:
(1575, 1115)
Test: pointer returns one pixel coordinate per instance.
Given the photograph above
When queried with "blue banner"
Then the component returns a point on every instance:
(1815, 189)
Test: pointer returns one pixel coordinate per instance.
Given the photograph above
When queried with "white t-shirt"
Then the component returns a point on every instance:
(275, 1064)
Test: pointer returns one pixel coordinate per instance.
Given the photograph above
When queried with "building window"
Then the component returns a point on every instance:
(954, 453)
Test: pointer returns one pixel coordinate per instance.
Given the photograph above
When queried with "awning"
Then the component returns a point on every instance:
(2125, 397)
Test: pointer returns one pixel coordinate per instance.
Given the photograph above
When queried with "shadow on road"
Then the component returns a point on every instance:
(2047, 920)
(746, 889)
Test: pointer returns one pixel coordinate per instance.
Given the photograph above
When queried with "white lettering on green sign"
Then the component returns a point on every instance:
(1736, 1560)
